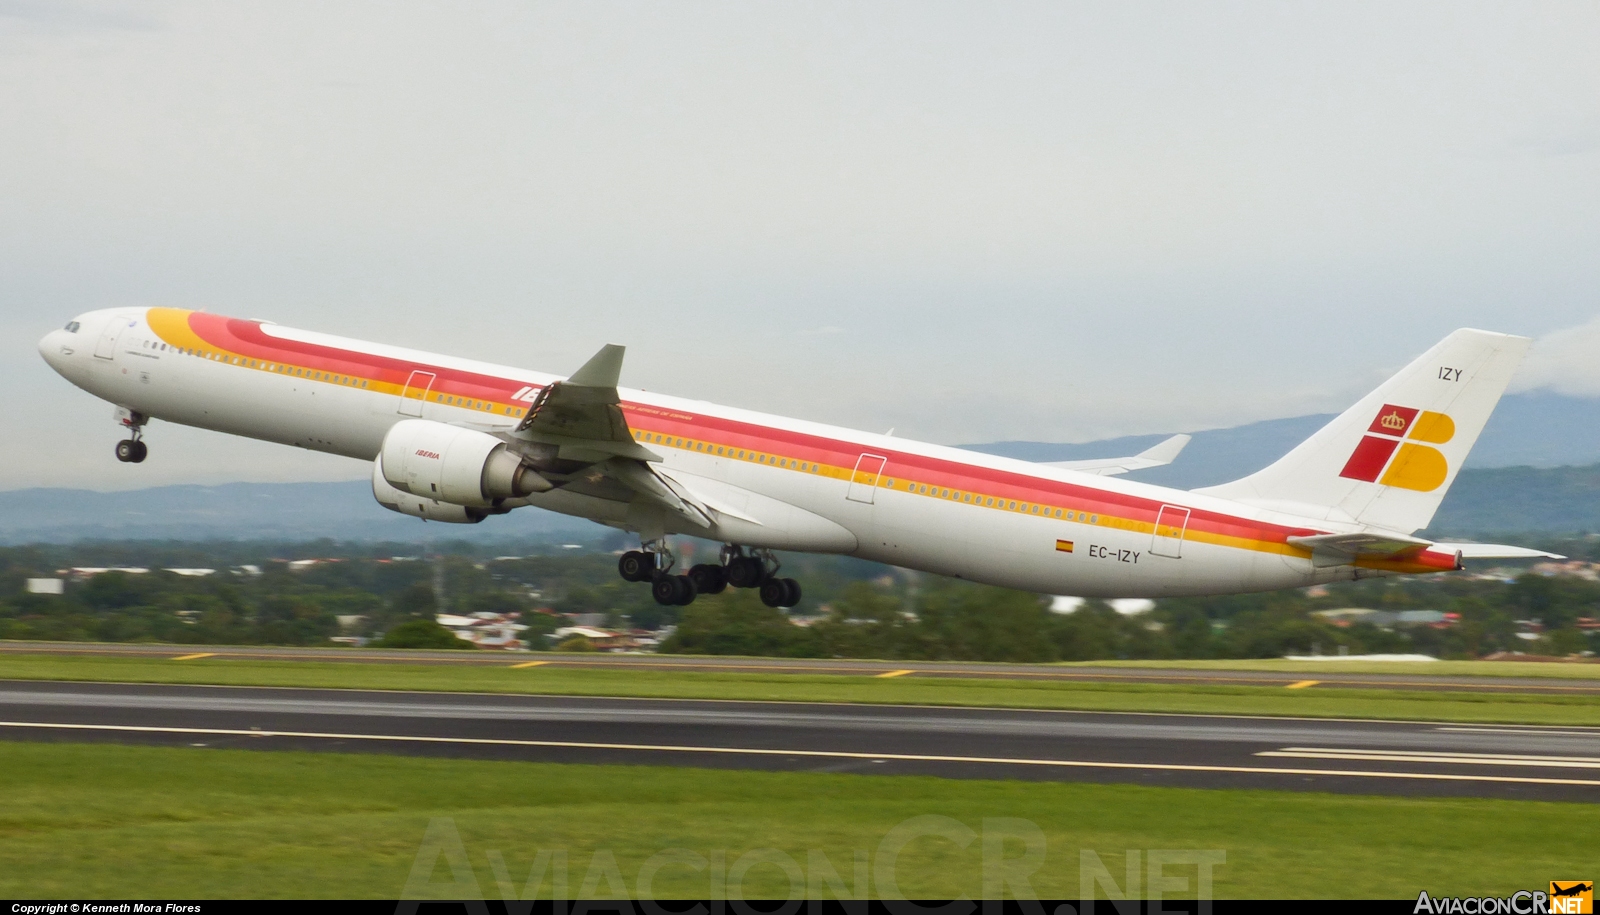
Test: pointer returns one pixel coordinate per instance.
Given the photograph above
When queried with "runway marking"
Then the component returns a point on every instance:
(1445, 757)
(1302, 684)
(894, 673)
(813, 754)
(1532, 732)
(529, 664)
(196, 657)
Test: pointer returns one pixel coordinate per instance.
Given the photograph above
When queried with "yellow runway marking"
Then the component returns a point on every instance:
(1302, 684)
(894, 673)
(812, 754)
(195, 657)
(528, 664)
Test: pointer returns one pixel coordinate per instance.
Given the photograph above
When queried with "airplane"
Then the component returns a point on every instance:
(460, 441)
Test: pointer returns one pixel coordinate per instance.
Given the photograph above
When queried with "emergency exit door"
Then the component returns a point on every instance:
(1171, 523)
(415, 392)
(864, 479)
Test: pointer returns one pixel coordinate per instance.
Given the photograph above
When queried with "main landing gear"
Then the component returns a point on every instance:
(132, 450)
(740, 570)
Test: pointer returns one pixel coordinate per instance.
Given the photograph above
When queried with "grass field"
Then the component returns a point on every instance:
(108, 821)
(1544, 670)
(1242, 699)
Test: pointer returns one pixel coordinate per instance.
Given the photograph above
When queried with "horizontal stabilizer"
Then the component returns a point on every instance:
(1344, 549)
(1154, 456)
(1494, 551)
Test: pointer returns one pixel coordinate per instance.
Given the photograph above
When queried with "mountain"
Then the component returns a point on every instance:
(252, 511)
(1537, 429)
(1505, 500)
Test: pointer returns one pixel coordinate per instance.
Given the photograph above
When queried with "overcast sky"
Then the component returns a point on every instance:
(970, 221)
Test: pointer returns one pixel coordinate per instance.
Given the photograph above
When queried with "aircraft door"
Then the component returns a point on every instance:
(864, 480)
(415, 393)
(106, 346)
(1171, 522)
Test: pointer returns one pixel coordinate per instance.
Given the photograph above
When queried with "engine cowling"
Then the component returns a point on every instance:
(418, 507)
(451, 464)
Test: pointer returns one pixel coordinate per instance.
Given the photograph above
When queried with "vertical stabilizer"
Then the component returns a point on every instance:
(1386, 462)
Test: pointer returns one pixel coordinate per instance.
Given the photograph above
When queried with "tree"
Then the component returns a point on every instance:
(422, 634)
(738, 623)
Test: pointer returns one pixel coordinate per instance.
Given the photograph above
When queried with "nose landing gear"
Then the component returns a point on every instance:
(132, 450)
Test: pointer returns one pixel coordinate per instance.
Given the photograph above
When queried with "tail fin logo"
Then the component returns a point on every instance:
(1390, 453)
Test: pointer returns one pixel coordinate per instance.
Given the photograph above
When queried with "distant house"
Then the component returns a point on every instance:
(46, 586)
(601, 639)
(486, 630)
(1345, 616)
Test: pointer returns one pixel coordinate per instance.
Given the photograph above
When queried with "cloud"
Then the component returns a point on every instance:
(1566, 361)
(62, 17)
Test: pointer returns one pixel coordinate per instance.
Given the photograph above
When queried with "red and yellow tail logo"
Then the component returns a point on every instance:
(1389, 454)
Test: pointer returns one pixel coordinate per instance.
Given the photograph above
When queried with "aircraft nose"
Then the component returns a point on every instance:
(49, 348)
(55, 347)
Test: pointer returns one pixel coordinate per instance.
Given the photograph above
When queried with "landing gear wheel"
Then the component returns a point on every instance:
(793, 588)
(673, 590)
(131, 451)
(636, 565)
(745, 572)
(774, 593)
(140, 452)
(709, 579)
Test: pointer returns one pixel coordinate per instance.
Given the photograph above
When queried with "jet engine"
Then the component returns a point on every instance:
(418, 507)
(451, 464)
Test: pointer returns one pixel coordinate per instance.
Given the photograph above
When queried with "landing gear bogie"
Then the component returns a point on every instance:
(637, 565)
(745, 572)
(709, 579)
(780, 592)
(738, 569)
(673, 590)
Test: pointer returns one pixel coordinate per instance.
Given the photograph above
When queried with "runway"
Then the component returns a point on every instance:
(1373, 757)
(1332, 678)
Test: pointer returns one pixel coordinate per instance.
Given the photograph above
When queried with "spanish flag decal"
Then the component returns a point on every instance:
(1063, 546)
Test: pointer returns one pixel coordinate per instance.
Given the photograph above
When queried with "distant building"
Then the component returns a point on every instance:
(1572, 568)
(81, 572)
(486, 630)
(46, 586)
(601, 639)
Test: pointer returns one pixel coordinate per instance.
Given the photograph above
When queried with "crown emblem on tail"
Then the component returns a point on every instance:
(1393, 421)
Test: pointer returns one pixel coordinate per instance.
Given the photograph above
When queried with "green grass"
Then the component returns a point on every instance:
(108, 821)
(1546, 670)
(656, 683)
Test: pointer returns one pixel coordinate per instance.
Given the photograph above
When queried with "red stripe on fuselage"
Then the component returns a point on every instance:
(248, 339)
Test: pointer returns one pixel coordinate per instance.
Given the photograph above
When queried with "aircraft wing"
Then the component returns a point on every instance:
(582, 415)
(1154, 456)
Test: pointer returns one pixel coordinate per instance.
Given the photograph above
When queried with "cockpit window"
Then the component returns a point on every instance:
(72, 327)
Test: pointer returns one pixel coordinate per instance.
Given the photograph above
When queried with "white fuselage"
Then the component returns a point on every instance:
(787, 484)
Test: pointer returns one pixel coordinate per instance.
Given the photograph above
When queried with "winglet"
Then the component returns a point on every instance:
(1155, 456)
(1163, 452)
(603, 370)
